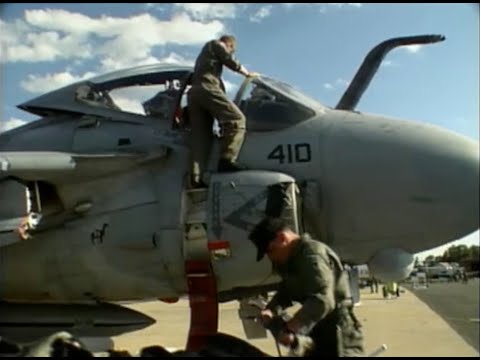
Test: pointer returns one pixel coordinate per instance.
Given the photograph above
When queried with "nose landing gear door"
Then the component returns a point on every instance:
(236, 202)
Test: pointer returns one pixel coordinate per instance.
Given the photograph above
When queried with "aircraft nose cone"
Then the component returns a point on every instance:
(445, 181)
(453, 165)
(400, 184)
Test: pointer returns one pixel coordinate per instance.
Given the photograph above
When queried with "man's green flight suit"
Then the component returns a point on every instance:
(314, 277)
(207, 100)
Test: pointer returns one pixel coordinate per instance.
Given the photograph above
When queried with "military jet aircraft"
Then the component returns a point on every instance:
(109, 213)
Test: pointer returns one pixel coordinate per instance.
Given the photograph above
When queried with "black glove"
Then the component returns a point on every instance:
(276, 326)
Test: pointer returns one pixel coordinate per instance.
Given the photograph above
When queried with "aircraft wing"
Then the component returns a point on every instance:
(60, 167)
(49, 171)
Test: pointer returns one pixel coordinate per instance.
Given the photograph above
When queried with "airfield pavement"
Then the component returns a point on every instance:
(458, 304)
(407, 325)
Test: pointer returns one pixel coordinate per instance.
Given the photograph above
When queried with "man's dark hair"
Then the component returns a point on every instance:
(228, 38)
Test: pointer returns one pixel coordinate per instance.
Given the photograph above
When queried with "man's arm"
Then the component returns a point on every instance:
(316, 273)
(277, 304)
(281, 299)
(228, 60)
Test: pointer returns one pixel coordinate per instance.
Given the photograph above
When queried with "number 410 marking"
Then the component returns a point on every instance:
(301, 153)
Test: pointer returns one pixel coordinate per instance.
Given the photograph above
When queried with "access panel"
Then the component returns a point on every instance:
(236, 202)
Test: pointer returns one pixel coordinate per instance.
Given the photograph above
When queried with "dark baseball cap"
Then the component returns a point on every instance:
(265, 232)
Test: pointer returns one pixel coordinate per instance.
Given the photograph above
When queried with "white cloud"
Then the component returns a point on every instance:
(45, 83)
(176, 59)
(342, 82)
(111, 64)
(291, 5)
(41, 46)
(205, 11)
(337, 84)
(157, 7)
(28, 40)
(62, 20)
(262, 13)
(136, 41)
(6, 125)
(51, 34)
(387, 63)
(323, 7)
(413, 49)
(340, 5)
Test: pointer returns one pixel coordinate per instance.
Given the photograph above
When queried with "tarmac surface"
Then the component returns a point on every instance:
(407, 325)
(458, 304)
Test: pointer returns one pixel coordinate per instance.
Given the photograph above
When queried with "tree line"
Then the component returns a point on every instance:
(466, 256)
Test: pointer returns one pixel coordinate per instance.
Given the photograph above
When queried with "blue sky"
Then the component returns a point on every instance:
(316, 47)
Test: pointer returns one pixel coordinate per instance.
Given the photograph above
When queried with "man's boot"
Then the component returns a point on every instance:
(226, 165)
(196, 182)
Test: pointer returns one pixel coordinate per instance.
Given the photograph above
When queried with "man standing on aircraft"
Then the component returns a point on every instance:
(207, 100)
(312, 275)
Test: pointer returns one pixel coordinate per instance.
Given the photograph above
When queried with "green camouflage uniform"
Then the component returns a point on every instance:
(207, 100)
(314, 276)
